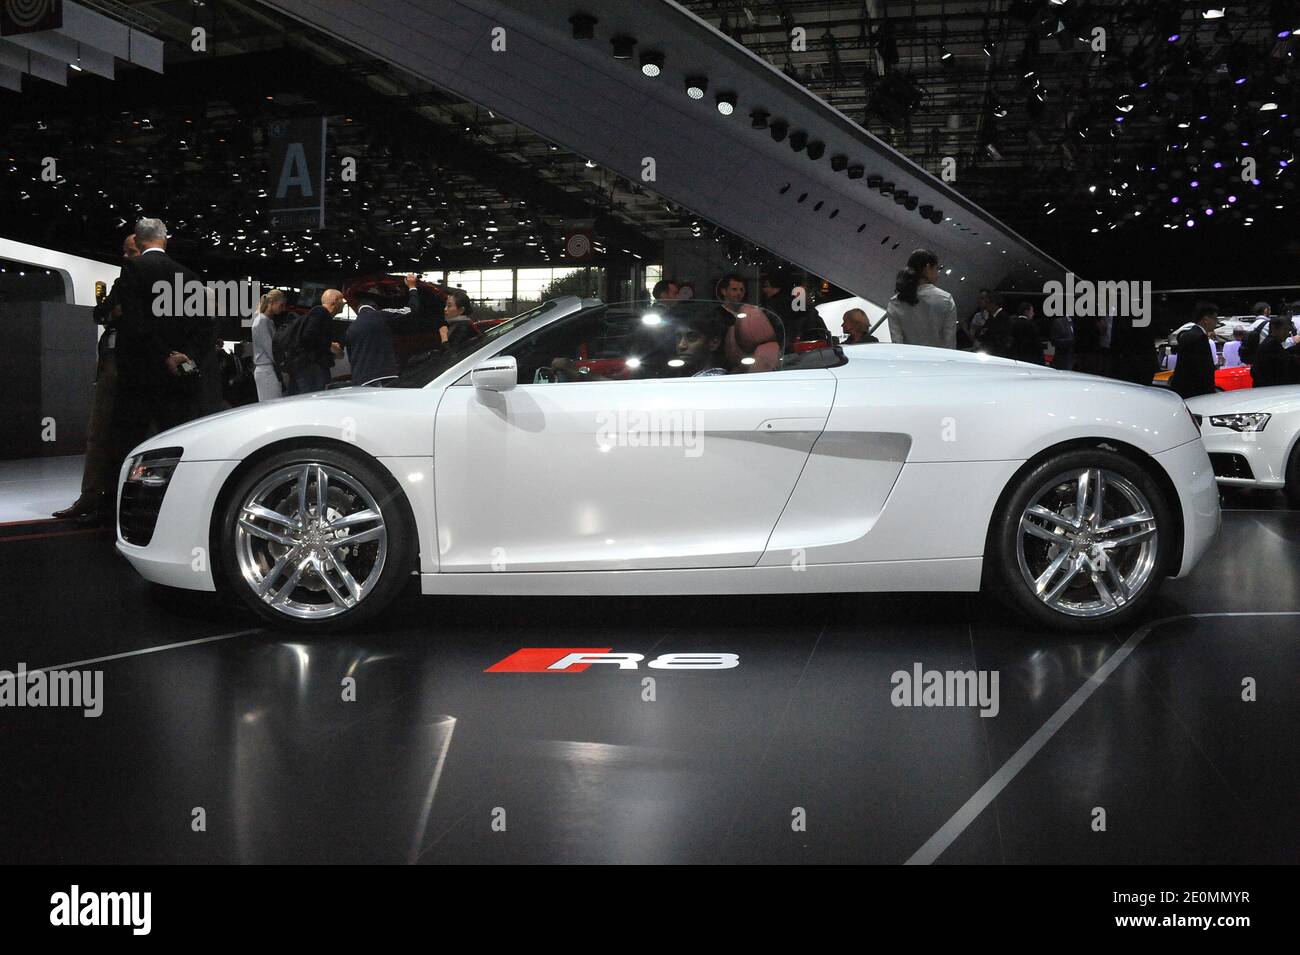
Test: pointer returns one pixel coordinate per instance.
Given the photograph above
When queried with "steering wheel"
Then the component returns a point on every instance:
(546, 374)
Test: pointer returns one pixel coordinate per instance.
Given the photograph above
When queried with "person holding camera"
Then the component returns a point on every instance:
(158, 355)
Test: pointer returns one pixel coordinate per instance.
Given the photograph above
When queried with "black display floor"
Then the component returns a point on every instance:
(797, 754)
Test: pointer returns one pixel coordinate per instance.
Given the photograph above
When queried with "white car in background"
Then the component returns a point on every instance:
(1251, 436)
(606, 450)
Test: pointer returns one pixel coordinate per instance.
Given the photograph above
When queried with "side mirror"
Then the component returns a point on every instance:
(496, 374)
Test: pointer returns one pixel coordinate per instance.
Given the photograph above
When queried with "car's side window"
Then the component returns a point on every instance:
(637, 342)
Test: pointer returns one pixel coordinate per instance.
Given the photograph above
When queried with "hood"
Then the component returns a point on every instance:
(317, 413)
(1276, 400)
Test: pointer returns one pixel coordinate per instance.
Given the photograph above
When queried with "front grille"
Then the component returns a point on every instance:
(1231, 466)
(137, 513)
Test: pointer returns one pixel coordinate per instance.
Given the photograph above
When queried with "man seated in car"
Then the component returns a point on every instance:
(699, 346)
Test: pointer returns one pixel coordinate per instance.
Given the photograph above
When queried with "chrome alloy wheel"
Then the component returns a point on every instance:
(310, 541)
(1087, 542)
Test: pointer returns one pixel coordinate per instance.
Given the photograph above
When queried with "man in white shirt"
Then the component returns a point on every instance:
(1232, 350)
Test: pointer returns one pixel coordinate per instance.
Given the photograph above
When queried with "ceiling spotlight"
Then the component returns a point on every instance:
(936, 216)
(855, 171)
(886, 188)
(1212, 12)
(838, 162)
(778, 129)
(945, 54)
(652, 63)
(900, 196)
(758, 119)
(726, 103)
(1267, 107)
(989, 45)
(874, 181)
(622, 47)
(816, 149)
(695, 86)
(584, 26)
(910, 202)
(926, 209)
(798, 140)
(999, 111)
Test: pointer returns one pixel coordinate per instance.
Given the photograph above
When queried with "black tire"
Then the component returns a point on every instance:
(349, 478)
(1292, 489)
(1006, 577)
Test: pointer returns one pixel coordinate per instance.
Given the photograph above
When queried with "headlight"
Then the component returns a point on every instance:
(1241, 422)
(153, 468)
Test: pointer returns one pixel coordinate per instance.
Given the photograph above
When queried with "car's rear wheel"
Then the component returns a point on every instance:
(316, 538)
(1080, 543)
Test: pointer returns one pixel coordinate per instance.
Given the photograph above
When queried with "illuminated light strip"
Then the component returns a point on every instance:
(984, 796)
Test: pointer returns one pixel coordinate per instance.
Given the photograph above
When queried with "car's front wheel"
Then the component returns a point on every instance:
(1292, 489)
(1081, 542)
(316, 538)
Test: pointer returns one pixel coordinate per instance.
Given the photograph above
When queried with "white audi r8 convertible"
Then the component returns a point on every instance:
(1253, 437)
(634, 449)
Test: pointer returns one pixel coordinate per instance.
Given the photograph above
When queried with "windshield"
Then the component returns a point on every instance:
(669, 339)
(419, 375)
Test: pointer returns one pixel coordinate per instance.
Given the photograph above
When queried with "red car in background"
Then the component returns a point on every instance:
(1225, 379)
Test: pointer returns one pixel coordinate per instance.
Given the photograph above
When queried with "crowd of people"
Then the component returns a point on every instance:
(153, 374)
(791, 302)
(921, 313)
(1268, 346)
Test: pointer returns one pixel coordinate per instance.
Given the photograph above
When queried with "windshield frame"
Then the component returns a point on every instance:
(428, 372)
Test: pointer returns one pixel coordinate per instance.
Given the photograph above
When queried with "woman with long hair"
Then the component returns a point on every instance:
(267, 378)
(921, 313)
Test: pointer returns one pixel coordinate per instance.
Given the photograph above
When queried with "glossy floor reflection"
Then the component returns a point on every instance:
(437, 761)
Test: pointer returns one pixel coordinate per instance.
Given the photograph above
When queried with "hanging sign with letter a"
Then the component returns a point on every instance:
(296, 191)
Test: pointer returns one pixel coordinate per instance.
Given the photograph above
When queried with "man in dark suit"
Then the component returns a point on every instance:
(779, 297)
(1025, 343)
(996, 335)
(312, 353)
(1194, 373)
(1277, 361)
(99, 471)
(370, 337)
(158, 352)
(1133, 351)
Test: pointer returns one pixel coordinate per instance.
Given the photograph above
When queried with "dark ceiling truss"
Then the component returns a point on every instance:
(1063, 129)
(442, 183)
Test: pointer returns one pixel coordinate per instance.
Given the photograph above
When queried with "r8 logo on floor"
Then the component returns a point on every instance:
(578, 659)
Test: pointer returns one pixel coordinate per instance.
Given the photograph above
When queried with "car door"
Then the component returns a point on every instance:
(621, 474)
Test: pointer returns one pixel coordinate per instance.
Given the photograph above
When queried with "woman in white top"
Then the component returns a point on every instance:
(921, 313)
(273, 303)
